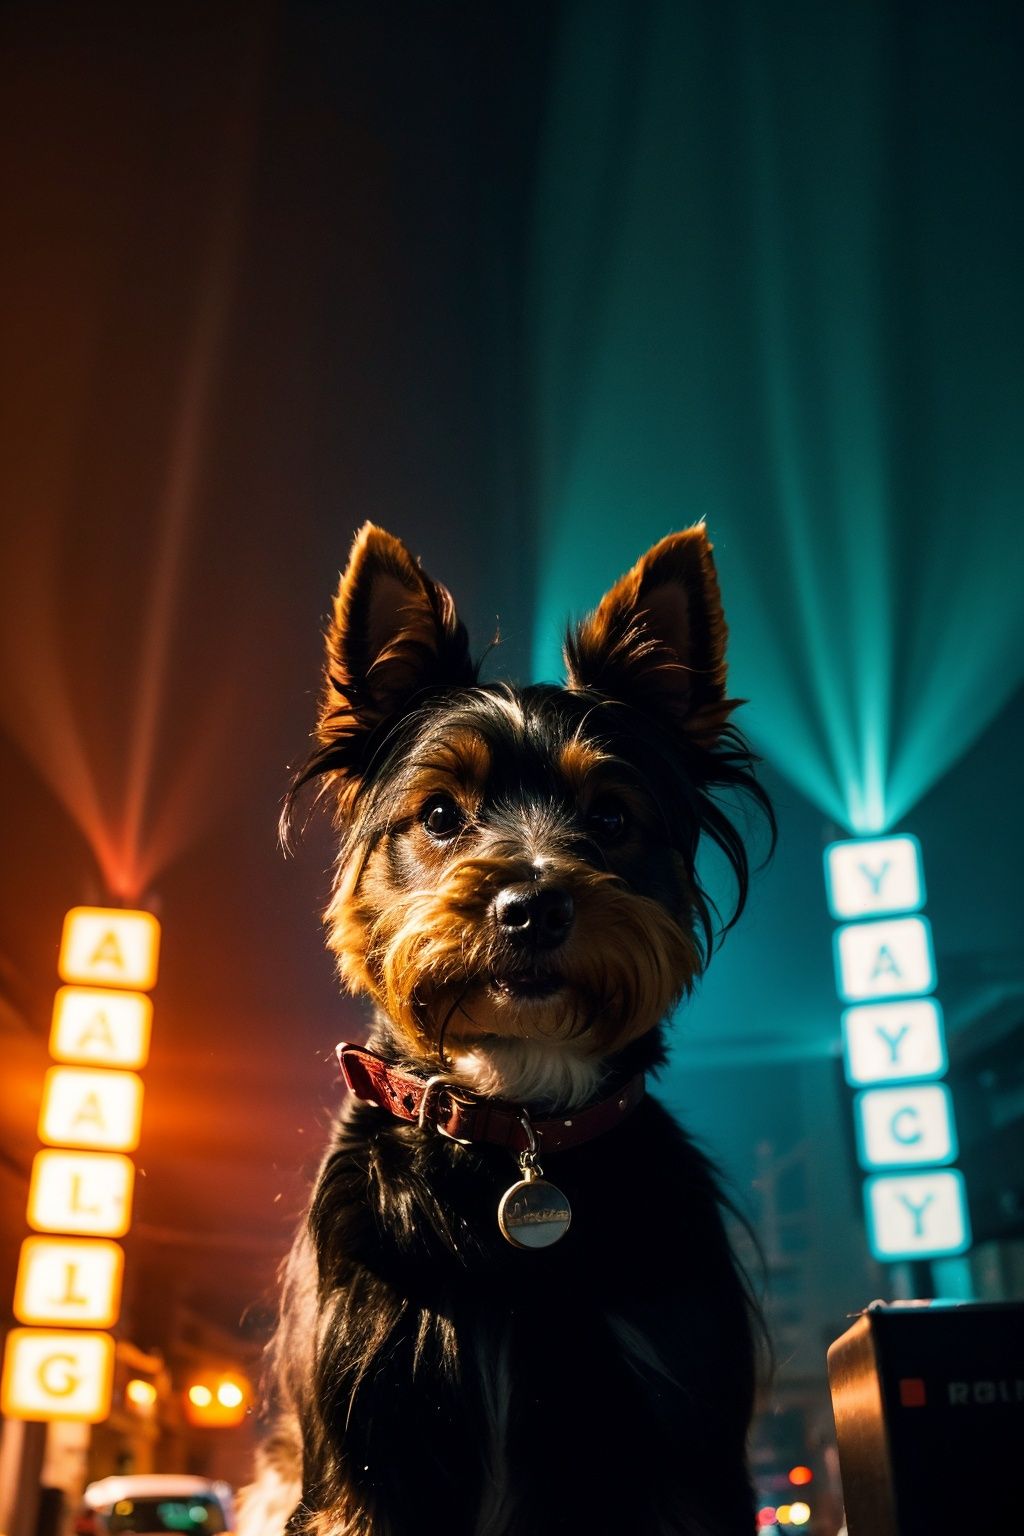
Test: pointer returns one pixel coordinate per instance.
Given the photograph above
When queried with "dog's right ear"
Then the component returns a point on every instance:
(393, 635)
(657, 639)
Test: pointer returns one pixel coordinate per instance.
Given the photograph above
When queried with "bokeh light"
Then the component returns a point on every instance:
(141, 1394)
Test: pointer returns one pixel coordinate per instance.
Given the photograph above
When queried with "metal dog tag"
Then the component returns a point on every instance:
(533, 1213)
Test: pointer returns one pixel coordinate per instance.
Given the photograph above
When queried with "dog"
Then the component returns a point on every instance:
(513, 1307)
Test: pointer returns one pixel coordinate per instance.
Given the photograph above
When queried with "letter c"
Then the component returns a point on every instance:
(905, 1138)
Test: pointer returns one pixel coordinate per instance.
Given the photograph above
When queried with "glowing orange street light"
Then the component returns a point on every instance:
(140, 1395)
(798, 1476)
(217, 1402)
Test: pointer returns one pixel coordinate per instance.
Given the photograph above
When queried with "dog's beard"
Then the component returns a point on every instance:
(435, 962)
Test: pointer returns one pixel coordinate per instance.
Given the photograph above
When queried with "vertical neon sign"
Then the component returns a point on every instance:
(894, 1050)
(82, 1181)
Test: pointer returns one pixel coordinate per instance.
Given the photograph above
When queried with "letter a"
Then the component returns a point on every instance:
(90, 1112)
(108, 951)
(885, 964)
(96, 1032)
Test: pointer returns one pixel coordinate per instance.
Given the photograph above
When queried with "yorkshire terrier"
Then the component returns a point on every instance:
(513, 1309)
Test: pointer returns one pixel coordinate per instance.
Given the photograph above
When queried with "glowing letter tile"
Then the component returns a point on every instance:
(892, 958)
(81, 1192)
(874, 875)
(57, 1375)
(110, 947)
(69, 1280)
(87, 1107)
(913, 1124)
(101, 1028)
(890, 1042)
(918, 1215)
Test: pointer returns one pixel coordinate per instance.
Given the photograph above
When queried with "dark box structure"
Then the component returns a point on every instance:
(929, 1407)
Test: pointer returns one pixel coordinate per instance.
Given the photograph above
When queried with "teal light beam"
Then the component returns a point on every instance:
(775, 286)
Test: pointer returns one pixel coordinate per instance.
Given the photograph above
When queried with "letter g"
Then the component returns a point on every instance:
(57, 1375)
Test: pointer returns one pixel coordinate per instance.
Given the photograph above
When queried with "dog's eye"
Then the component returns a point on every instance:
(607, 819)
(441, 817)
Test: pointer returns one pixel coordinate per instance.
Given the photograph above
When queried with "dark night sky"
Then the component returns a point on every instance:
(261, 284)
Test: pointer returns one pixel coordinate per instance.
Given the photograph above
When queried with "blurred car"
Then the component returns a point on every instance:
(155, 1503)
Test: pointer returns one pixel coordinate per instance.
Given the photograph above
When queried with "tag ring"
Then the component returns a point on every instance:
(528, 1159)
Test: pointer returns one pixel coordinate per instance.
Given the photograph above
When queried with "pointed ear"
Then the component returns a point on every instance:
(393, 634)
(657, 639)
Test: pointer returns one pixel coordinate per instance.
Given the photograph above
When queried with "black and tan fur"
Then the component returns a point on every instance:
(517, 894)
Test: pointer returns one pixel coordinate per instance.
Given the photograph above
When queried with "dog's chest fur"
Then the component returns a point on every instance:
(604, 1384)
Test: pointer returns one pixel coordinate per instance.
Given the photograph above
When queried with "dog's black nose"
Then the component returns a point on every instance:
(539, 916)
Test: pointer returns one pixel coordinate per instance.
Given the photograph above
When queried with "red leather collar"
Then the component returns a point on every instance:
(463, 1116)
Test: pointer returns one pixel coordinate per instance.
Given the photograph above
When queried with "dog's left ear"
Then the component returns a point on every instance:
(657, 639)
(394, 634)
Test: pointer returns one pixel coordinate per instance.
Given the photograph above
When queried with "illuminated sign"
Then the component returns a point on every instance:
(83, 1196)
(69, 1280)
(919, 1215)
(913, 1124)
(890, 1042)
(874, 875)
(101, 1029)
(89, 1107)
(57, 1375)
(110, 948)
(891, 958)
(81, 1192)
(893, 1045)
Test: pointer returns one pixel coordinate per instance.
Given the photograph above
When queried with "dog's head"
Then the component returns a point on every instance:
(518, 865)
